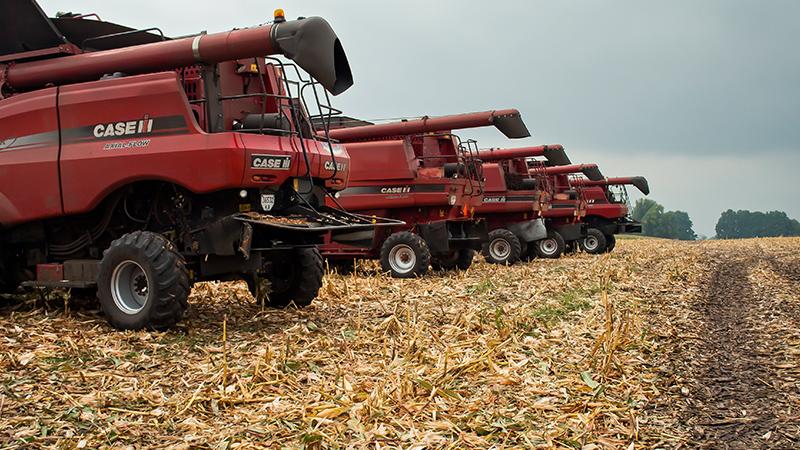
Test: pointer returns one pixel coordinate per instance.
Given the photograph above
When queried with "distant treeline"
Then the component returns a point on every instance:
(748, 224)
(659, 223)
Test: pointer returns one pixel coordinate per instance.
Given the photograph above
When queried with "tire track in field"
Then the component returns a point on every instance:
(737, 398)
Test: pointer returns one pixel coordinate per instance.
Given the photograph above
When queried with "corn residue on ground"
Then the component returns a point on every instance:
(660, 344)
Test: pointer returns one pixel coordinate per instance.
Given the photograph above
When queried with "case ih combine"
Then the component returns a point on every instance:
(607, 212)
(527, 204)
(417, 171)
(514, 200)
(136, 165)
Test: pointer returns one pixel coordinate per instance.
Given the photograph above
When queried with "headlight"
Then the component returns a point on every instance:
(453, 199)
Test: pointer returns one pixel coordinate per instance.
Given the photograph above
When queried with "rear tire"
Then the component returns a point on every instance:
(405, 255)
(503, 247)
(611, 242)
(458, 259)
(550, 247)
(296, 283)
(571, 248)
(594, 243)
(143, 283)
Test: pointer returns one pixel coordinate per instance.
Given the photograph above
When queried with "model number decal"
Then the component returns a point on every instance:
(270, 162)
(116, 129)
(142, 143)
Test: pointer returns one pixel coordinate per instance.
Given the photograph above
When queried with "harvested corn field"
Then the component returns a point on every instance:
(658, 345)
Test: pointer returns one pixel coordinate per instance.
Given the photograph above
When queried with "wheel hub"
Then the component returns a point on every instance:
(500, 249)
(549, 246)
(130, 288)
(590, 243)
(402, 259)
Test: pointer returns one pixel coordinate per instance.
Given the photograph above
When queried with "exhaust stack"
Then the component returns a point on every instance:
(508, 121)
(310, 42)
(554, 153)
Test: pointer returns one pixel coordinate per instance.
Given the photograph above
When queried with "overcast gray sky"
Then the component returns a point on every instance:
(701, 97)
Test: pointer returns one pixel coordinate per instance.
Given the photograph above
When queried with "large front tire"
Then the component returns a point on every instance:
(503, 247)
(405, 255)
(611, 242)
(550, 247)
(143, 283)
(294, 282)
(595, 242)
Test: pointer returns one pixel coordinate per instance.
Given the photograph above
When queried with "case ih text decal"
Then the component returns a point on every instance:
(119, 129)
(270, 162)
(339, 167)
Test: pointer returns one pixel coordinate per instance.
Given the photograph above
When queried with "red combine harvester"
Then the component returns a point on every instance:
(564, 216)
(514, 200)
(419, 172)
(607, 212)
(136, 165)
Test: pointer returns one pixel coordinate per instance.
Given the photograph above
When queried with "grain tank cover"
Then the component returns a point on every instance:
(24, 27)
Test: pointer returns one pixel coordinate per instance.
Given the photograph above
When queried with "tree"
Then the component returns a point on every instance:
(659, 223)
(641, 207)
(747, 224)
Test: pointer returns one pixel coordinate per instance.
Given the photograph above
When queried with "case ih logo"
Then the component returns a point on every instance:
(500, 199)
(396, 190)
(129, 128)
(270, 162)
(339, 167)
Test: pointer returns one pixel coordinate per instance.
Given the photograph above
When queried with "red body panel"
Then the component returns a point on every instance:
(117, 131)
(599, 206)
(404, 179)
(29, 184)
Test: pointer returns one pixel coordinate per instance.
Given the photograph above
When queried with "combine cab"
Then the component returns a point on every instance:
(136, 165)
(419, 172)
(607, 212)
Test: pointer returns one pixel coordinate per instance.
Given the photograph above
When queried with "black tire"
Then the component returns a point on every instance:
(405, 255)
(550, 247)
(611, 242)
(465, 258)
(458, 259)
(571, 248)
(594, 243)
(528, 252)
(143, 283)
(294, 282)
(503, 247)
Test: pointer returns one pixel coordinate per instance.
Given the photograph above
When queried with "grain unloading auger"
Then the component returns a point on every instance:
(507, 121)
(607, 212)
(136, 165)
(419, 172)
